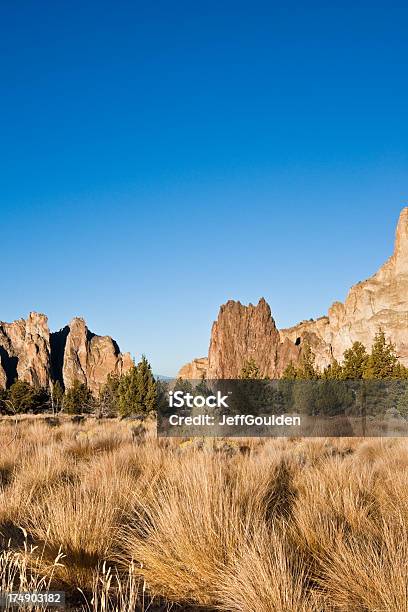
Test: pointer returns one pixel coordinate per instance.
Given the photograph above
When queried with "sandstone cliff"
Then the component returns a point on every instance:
(195, 370)
(244, 332)
(30, 353)
(90, 358)
(379, 302)
(25, 350)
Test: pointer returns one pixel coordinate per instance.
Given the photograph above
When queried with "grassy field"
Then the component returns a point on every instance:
(123, 521)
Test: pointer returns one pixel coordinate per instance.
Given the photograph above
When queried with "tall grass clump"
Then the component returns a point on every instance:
(123, 521)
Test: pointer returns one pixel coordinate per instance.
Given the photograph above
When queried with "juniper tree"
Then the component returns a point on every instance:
(57, 396)
(306, 368)
(107, 404)
(355, 362)
(250, 370)
(78, 399)
(147, 386)
(334, 371)
(23, 397)
(137, 390)
(382, 362)
(289, 372)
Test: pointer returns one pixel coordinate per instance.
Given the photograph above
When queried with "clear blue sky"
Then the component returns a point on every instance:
(159, 158)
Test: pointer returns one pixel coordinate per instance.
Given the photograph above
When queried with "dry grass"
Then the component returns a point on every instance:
(287, 525)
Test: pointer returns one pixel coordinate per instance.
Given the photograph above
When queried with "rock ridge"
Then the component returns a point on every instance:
(29, 352)
(380, 302)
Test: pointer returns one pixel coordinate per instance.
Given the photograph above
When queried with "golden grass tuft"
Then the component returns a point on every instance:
(287, 525)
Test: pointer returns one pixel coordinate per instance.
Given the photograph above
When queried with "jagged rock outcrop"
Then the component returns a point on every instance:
(34, 356)
(195, 370)
(30, 353)
(378, 302)
(25, 350)
(244, 332)
(90, 358)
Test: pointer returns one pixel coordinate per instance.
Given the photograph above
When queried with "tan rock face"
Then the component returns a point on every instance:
(29, 352)
(3, 377)
(195, 370)
(244, 332)
(8, 355)
(90, 358)
(379, 302)
(34, 355)
(25, 350)
(239, 334)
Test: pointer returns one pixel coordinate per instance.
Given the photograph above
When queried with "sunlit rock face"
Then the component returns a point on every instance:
(380, 302)
(90, 359)
(29, 352)
(195, 370)
(34, 357)
(242, 333)
(25, 351)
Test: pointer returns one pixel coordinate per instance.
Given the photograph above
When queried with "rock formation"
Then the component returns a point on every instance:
(239, 334)
(90, 358)
(195, 370)
(381, 302)
(34, 354)
(25, 350)
(3, 378)
(30, 353)
(246, 332)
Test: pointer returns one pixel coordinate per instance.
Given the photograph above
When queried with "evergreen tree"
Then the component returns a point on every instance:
(23, 397)
(127, 392)
(162, 402)
(202, 388)
(78, 399)
(355, 362)
(306, 369)
(137, 390)
(147, 387)
(334, 371)
(250, 370)
(57, 396)
(3, 398)
(402, 403)
(183, 385)
(290, 372)
(382, 362)
(400, 371)
(107, 404)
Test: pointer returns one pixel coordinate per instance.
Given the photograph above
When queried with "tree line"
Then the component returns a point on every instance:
(378, 376)
(381, 363)
(138, 393)
(132, 393)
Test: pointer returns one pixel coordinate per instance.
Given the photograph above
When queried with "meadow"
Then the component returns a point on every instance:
(121, 520)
